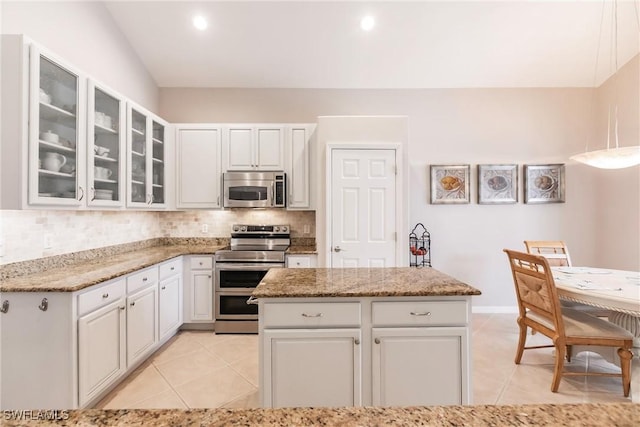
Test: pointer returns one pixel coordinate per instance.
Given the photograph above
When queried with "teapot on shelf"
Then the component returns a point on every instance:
(53, 161)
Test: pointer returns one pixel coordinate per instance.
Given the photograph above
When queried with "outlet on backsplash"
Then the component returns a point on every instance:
(205, 228)
(48, 241)
(306, 229)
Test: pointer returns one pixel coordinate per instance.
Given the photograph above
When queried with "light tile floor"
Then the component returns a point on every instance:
(204, 370)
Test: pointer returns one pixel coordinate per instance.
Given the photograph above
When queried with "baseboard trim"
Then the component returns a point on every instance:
(494, 309)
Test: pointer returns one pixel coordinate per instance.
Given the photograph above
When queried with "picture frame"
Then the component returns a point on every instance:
(497, 184)
(450, 184)
(544, 183)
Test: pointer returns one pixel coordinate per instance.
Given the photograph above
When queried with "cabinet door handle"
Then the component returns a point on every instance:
(122, 308)
(218, 202)
(132, 303)
(209, 276)
(312, 315)
(5, 306)
(377, 341)
(425, 313)
(44, 305)
(144, 279)
(356, 341)
(163, 288)
(105, 295)
(93, 194)
(173, 268)
(81, 191)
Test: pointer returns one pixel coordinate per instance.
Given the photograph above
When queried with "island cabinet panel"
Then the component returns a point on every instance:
(418, 366)
(313, 367)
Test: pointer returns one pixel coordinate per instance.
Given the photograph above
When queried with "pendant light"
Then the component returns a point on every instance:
(611, 157)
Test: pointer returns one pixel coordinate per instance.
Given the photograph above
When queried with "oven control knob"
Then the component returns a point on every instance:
(244, 228)
(284, 229)
(277, 229)
(236, 228)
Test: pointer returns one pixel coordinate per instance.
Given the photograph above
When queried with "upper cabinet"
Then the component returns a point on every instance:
(146, 150)
(254, 147)
(106, 147)
(198, 183)
(299, 173)
(56, 132)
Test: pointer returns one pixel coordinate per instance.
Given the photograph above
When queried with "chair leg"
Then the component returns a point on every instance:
(569, 353)
(625, 367)
(521, 341)
(557, 373)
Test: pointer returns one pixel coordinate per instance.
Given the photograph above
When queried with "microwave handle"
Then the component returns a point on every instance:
(273, 193)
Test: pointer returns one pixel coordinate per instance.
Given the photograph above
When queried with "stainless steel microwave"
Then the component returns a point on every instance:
(254, 189)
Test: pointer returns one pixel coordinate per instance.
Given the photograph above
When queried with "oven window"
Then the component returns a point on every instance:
(236, 304)
(248, 192)
(240, 278)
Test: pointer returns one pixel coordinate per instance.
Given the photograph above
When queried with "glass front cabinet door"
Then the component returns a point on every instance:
(146, 147)
(56, 132)
(106, 153)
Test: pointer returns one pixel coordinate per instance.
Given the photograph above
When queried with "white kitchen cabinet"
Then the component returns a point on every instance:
(312, 367)
(198, 177)
(301, 260)
(147, 140)
(412, 351)
(254, 147)
(299, 173)
(198, 289)
(106, 145)
(418, 366)
(101, 349)
(170, 298)
(142, 326)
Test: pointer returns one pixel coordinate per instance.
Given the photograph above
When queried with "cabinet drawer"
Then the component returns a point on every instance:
(170, 268)
(420, 313)
(311, 315)
(297, 261)
(201, 263)
(141, 279)
(102, 296)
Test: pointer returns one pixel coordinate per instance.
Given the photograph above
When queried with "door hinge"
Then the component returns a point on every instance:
(395, 170)
(395, 236)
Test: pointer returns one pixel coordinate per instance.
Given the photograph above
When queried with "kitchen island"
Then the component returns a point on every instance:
(364, 337)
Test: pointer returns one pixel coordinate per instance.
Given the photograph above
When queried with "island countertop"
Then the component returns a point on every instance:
(359, 282)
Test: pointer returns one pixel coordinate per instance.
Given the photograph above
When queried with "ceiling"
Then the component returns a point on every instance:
(417, 44)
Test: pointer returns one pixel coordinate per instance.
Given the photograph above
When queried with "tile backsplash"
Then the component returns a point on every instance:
(26, 235)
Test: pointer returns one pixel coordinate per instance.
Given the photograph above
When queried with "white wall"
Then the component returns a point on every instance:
(468, 126)
(85, 35)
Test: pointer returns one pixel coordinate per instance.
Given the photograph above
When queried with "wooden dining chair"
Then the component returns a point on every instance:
(557, 253)
(540, 310)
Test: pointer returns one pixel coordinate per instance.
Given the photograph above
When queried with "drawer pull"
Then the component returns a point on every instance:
(426, 313)
(5, 306)
(312, 315)
(144, 279)
(173, 268)
(132, 303)
(377, 340)
(44, 305)
(106, 295)
(200, 262)
(122, 308)
(163, 288)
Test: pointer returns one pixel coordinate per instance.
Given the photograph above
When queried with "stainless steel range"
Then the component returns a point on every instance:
(254, 250)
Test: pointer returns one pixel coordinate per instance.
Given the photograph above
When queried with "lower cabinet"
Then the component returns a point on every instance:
(317, 367)
(101, 349)
(142, 326)
(417, 366)
(380, 351)
(302, 261)
(198, 292)
(169, 306)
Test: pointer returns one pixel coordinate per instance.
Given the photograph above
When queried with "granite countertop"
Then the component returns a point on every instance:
(300, 249)
(586, 414)
(359, 282)
(80, 275)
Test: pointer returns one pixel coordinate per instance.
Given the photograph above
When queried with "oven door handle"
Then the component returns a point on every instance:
(252, 301)
(247, 266)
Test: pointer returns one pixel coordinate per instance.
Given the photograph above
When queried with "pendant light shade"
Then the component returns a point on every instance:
(615, 157)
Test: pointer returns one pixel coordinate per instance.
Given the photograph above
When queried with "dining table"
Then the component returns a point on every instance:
(615, 290)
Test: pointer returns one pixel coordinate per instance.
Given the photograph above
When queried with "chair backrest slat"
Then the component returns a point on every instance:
(556, 251)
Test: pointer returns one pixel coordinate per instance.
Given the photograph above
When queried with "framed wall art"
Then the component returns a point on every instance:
(497, 184)
(450, 184)
(544, 183)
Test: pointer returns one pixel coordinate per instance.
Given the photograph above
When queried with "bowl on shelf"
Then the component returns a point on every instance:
(101, 151)
(49, 136)
(101, 194)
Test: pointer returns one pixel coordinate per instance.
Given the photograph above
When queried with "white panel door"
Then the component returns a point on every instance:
(298, 179)
(169, 303)
(201, 295)
(142, 326)
(363, 185)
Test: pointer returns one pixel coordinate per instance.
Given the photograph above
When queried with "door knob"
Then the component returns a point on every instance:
(337, 249)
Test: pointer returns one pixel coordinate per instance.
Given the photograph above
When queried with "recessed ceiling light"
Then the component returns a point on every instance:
(367, 23)
(200, 22)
